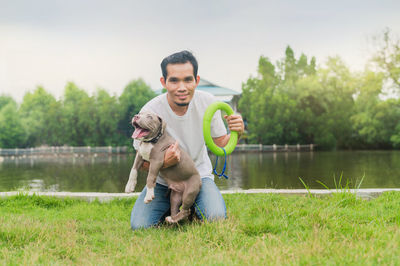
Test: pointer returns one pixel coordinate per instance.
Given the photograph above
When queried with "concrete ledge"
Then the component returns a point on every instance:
(104, 197)
(89, 196)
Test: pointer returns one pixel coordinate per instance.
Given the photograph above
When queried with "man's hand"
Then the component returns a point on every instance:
(145, 166)
(172, 155)
(235, 123)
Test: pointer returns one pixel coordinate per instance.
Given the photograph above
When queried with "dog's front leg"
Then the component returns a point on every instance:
(130, 186)
(151, 180)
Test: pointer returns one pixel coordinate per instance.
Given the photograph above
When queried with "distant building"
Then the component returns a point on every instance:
(222, 94)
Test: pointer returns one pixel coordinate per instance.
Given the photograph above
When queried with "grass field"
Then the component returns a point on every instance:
(261, 229)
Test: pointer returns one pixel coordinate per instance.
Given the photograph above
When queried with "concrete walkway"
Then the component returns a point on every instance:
(104, 197)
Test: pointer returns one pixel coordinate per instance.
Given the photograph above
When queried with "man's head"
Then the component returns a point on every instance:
(179, 78)
(179, 58)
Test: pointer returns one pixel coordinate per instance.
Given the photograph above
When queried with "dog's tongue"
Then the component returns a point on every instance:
(139, 132)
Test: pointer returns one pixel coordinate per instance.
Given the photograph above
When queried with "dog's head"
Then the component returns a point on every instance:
(148, 126)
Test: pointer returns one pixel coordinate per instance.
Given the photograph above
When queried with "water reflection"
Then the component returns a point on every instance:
(245, 170)
(282, 170)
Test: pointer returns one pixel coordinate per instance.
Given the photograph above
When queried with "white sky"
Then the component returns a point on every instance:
(109, 43)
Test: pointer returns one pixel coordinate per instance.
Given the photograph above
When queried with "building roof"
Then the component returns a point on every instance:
(214, 89)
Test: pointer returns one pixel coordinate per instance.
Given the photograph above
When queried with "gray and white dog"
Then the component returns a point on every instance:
(183, 178)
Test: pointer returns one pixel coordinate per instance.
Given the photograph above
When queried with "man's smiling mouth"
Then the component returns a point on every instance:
(182, 97)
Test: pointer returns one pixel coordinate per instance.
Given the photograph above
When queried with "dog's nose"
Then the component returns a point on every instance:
(135, 117)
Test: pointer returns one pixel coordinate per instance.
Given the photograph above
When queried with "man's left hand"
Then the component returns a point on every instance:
(235, 123)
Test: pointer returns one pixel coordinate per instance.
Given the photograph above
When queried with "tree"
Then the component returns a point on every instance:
(267, 103)
(55, 117)
(395, 138)
(270, 102)
(365, 122)
(80, 117)
(256, 94)
(34, 112)
(334, 127)
(293, 102)
(387, 58)
(376, 121)
(290, 71)
(108, 118)
(12, 133)
(135, 95)
(4, 100)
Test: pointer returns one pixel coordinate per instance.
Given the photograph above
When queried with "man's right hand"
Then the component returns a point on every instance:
(145, 166)
(172, 155)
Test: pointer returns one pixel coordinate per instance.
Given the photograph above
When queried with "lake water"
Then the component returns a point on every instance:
(381, 169)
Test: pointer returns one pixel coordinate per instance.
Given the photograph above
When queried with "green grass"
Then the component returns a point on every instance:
(261, 229)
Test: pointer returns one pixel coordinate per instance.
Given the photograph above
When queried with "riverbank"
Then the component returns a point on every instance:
(65, 151)
(367, 193)
(261, 229)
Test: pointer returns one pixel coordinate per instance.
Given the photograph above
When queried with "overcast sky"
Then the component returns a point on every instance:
(100, 43)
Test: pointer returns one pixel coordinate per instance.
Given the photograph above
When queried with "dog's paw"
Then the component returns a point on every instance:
(149, 195)
(129, 189)
(148, 199)
(130, 186)
(169, 219)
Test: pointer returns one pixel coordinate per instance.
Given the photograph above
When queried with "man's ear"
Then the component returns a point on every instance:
(163, 82)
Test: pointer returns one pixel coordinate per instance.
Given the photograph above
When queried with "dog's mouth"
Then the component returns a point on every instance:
(139, 131)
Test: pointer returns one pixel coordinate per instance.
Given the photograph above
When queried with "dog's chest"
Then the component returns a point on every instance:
(145, 150)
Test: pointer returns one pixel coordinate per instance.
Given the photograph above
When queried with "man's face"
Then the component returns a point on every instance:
(180, 83)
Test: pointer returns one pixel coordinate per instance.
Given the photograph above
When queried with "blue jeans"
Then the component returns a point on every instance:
(209, 204)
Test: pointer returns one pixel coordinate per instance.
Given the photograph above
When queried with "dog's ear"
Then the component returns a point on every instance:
(163, 124)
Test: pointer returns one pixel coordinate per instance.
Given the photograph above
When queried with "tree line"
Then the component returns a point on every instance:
(290, 101)
(294, 101)
(76, 120)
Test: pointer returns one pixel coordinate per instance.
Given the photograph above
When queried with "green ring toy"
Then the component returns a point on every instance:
(210, 111)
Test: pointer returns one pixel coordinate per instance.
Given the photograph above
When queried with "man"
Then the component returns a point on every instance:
(182, 108)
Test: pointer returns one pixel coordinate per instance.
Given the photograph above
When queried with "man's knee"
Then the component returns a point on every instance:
(140, 218)
(217, 214)
(148, 215)
(136, 226)
(140, 224)
(212, 214)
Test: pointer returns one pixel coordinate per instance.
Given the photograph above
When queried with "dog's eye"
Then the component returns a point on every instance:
(149, 116)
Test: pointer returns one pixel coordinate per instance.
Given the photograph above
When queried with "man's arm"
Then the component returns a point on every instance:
(235, 123)
(172, 154)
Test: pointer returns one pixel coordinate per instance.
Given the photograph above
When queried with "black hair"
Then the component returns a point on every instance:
(179, 58)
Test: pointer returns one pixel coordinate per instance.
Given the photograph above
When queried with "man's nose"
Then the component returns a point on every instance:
(182, 86)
